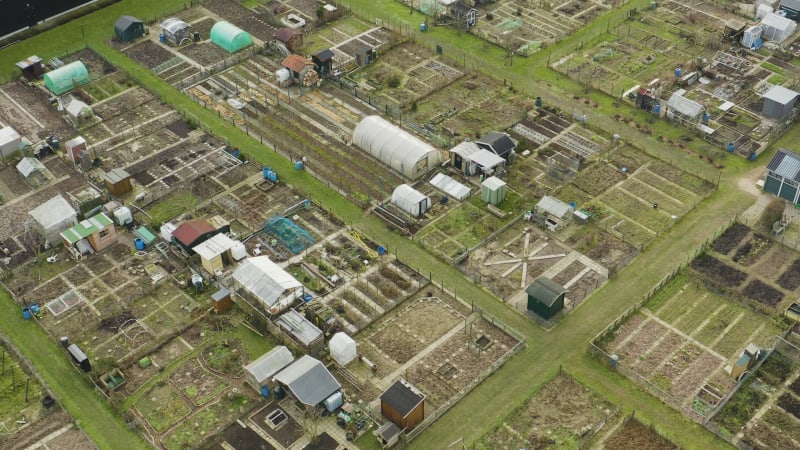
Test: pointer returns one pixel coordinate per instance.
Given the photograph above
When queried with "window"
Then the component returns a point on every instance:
(103, 233)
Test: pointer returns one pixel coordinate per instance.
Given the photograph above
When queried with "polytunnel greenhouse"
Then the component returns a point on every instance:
(230, 37)
(67, 78)
(400, 150)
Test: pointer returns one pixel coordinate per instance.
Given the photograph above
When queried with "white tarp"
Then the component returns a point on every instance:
(410, 200)
(54, 216)
(343, 348)
(450, 186)
(27, 166)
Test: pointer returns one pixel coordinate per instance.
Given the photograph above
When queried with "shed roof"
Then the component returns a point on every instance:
(29, 61)
(124, 22)
(7, 135)
(465, 149)
(299, 327)
(792, 4)
(144, 234)
(27, 166)
(387, 431)
(780, 94)
(270, 363)
(786, 164)
(296, 63)
(500, 142)
(53, 212)
(74, 142)
(553, 206)
(402, 397)
(116, 175)
(493, 183)
(265, 279)
(683, 105)
(323, 55)
(545, 291)
(86, 228)
(189, 231)
(174, 25)
(487, 159)
(286, 34)
(308, 380)
(217, 245)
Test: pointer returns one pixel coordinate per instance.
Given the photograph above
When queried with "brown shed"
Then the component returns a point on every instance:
(222, 300)
(404, 405)
(291, 38)
(32, 67)
(118, 182)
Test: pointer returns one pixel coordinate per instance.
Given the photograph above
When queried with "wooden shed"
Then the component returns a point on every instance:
(222, 300)
(118, 182)
(403, 404)
(545, 297)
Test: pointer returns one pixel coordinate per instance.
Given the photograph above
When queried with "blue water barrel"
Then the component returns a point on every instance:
(678, 72)
(26, 313)
(657, 108)
(266, 171)
(307, 298)
(624, 169)
(538, 102)
(752, 156)
(381, 250)
(272, 176)
(731, 147)
(34, 308)
(264, 391)
(139, 244)
(298, 165)
(423, 27)
(706, 117)
(279, 392)
(162, 37)
(572, 205)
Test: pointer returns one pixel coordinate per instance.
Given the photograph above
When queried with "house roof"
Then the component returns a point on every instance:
(786, 164)
(683, 105)
(86, 228)
(308, 380)
(323, 55)
(780, 94)
(286, 34)
(27, 166)
(501, 143)
(215, 246)
(53, 212)
(124, 22)
(553, 206)
(299, 327)
(191, 230)
(545, 290)
(402, 397)
(296, 63)
(265, 279)
(116, 175)
(270, 363)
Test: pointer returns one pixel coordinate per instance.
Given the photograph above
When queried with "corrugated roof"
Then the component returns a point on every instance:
(296, 63)
(27, 166)
(126, 21)
(786, 164)
(323, 55)
(683, 105)
(545, 290)
(86, 228)
(191, 230)
(265, 279)
(792, 4)
(309, 381)
(780, 94)
(270, 363)
(217, 245)
(299, 327)
(402, 397)
(114, 176)
(29, 61)
(553, 206)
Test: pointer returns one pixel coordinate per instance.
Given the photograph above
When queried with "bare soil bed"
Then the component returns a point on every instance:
(634, 435)
(730, 239)
(718, 272)
(149, 54)
(752, 250)
(36, 105)
(790, 279)
(204, 53)
(763, 293)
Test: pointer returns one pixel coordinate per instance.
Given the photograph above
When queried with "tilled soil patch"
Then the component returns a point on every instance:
(790, 279)
(718, 272)
(730, 239)
(763, 293)
(149, 54)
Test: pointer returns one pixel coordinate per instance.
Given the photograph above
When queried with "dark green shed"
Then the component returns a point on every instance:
(545, 297)
(783, 176)
(128, 28)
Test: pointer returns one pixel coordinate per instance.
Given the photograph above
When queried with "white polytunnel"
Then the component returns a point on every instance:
(400, 150)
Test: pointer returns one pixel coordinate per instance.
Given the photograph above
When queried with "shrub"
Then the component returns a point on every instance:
(393, 81)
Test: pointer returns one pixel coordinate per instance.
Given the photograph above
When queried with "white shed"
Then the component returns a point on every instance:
(261, 280)
(777, 27)
(9, 141)
(54, 216)
(343, 348)
(400, 150)
(410, 200)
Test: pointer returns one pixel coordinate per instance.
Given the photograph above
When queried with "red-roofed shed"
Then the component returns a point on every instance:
(193, 232)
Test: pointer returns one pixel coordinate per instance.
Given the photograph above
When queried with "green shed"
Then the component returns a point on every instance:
(67, 78)
(545, 297)
(783, 176)
(230, 37)
(493, 190)
(128, 28)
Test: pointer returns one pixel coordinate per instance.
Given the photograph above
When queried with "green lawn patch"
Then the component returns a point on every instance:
(171, 206)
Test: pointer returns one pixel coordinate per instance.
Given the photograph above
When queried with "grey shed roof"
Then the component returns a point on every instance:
(545, 290)
(126, 21)
(780, 94)
(265, 279)
(114, 176)
(270, 363)
(786, 164)
(53, 212)
(298, 326)
(793, 4)
(402, 397)
(323, 55)
(500, 142)
(683, 105)
(553, 206)
(308, 380)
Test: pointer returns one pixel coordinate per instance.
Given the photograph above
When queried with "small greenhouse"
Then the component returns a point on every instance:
(400, 150)
(67, 78)
(410, 200)
(342, 348)
(230, 37)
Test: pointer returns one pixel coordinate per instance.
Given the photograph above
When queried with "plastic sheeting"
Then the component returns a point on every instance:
(343, 348)
(410, 200)
(450, 186)
(230, 37)
(67, 78)
(265, 280)
(400, 150)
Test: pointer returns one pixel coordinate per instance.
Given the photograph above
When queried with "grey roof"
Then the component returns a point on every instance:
(299, 327)
(780, 94)
(116, 175)
(220, 294)
(323, 55)
(270, 363)
(501, 143)
(265, 279)
(387, 431)
(793, 4)
(683, 105)
(545, 291)
(465, 149)
(308, 380)
(553, 206)
(402, 397)
(786, 164)
(53, 212)
(29, 165)
(126, 21)
(174, 25)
